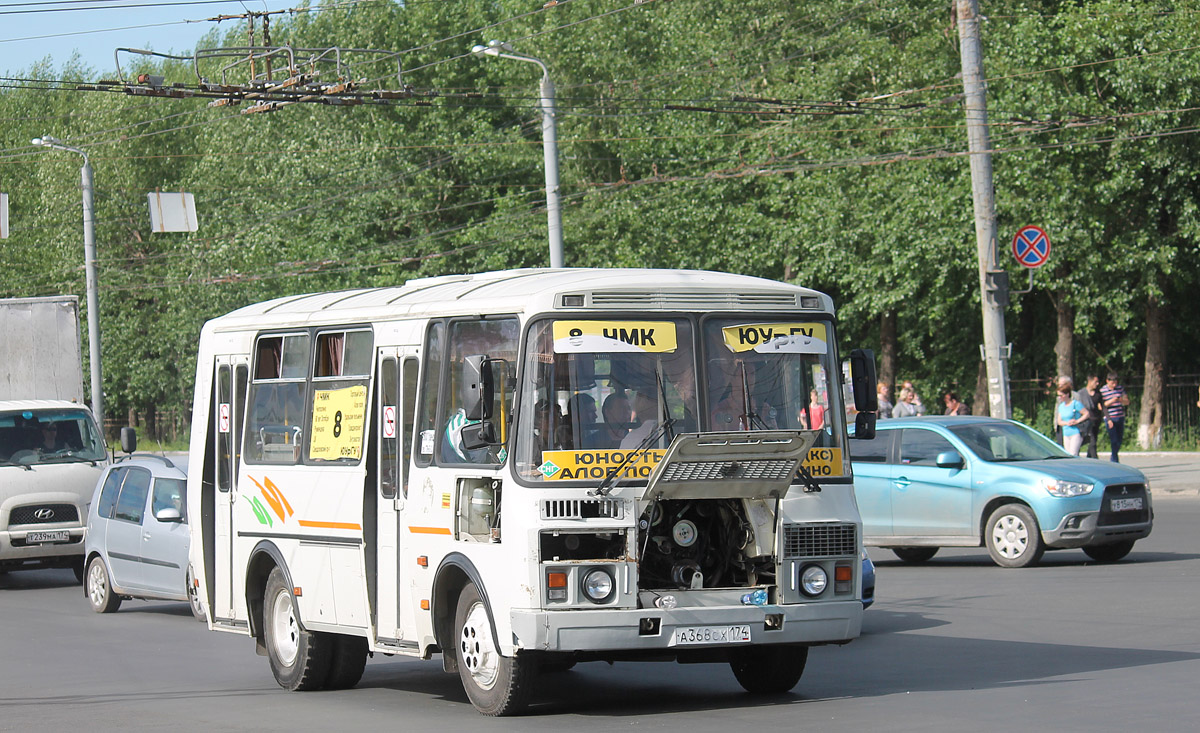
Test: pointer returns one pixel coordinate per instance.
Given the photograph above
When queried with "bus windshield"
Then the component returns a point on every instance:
(602, 395)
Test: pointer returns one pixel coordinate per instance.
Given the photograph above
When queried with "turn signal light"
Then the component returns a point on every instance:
(843, 572)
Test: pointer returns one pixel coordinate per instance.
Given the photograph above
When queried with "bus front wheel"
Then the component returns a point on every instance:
(769, 670)
(497, 685)
(299, 659)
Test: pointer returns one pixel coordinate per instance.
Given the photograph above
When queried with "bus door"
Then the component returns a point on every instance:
(232, 374)
(397, 393)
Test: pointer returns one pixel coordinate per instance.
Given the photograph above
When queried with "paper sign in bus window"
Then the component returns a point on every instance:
(597, 337)
(337, 423)
(777, 338)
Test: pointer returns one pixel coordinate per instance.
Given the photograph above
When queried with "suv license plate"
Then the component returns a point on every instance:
(735, 634)
(61, 535)
(1125, 505)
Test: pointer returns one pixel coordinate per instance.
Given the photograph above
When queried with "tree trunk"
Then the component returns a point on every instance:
(1064, 345)
(887, 349)
(1150, 417)
(981, 391)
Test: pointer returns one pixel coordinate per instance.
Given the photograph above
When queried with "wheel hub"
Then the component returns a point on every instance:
(1010, 537)
(477, 650)
(97, 585)
(285, 632)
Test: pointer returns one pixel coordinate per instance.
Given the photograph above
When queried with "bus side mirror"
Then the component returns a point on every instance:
(128, 439)
(866, 400)
(478, 435)
(478, 388)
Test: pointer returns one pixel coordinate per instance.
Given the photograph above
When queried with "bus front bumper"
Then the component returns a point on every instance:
(655, 629)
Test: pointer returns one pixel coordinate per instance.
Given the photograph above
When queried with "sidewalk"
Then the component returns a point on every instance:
(1170, 474)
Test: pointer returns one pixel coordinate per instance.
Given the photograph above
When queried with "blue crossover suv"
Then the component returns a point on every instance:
(929, 482)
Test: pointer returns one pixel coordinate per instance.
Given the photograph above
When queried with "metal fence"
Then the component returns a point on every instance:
(1033, 401)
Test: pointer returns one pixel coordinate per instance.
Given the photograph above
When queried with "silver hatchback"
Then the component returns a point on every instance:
(137, 536)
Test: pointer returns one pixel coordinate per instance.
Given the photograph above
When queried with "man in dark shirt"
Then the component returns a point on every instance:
(1114, 401)
(1089, 396)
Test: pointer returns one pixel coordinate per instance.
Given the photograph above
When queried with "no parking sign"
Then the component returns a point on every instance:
(1031, 246)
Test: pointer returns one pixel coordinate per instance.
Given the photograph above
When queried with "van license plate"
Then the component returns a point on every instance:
(43, 537)
(735, 634)
(1125, 505)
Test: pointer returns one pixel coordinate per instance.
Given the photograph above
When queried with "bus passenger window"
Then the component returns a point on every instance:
(275, 422)
(431, 382)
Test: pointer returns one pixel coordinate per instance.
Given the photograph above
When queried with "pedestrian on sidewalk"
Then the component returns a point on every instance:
(1114, 400)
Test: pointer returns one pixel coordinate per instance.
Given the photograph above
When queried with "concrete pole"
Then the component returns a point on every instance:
(992, 283)
(550, 153)
(93, 294)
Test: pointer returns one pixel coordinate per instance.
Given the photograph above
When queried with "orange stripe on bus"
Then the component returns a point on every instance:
(330, 525)
(429, 530)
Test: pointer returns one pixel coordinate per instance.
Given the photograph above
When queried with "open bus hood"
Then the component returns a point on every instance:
(736, 465)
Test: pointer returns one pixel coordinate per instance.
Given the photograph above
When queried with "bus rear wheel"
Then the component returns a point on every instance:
(300, 659)
(497, 685)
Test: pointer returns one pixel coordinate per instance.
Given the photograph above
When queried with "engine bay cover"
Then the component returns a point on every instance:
(734, 465)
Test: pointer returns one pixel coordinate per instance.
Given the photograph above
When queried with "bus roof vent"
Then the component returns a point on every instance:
(692, 301)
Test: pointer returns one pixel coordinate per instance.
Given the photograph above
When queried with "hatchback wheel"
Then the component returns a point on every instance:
(914, 554)
(1013, 537)
(1109, 553)
(99, 588)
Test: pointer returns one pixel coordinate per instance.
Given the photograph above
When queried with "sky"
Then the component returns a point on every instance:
(95, 28)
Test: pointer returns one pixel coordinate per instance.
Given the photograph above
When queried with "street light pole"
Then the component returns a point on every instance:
(89, 262)
(502, 50)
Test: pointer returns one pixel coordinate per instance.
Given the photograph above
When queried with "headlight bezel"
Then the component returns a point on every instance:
(1063, 489)
(816, 584)
(586, 585)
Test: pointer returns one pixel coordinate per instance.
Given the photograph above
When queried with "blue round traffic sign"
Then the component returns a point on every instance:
(1031, 246)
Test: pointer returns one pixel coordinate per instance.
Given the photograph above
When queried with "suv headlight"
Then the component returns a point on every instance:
(1065, 489)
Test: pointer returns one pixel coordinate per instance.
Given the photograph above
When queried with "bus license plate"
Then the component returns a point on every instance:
(43, 537)
(1125, 505)
(735, 634)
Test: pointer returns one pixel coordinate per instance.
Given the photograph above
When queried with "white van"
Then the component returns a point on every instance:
(51, 455)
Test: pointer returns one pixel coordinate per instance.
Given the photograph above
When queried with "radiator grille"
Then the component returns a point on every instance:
(583, 509)
(765, 470)
(43, 514)
(1109, 518)
(819, 540)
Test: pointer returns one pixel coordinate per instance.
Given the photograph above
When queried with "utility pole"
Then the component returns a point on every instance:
(993, 282)
(89, 268)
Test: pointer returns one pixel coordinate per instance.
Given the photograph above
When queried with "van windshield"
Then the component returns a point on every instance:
(32, 437)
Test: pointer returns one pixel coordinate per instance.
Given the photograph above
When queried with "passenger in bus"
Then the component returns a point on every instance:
(617, 414)
(580, 430)
(646, 415)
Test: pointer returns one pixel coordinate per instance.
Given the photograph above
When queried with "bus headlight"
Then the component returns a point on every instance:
(813, 580)
(598, 585)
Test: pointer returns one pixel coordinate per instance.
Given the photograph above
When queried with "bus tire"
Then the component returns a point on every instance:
(769, 670)
(349, 659)
(99, 587)
(496, 685)
(299, 659)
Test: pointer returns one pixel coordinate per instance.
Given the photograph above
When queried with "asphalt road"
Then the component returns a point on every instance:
(955, 644)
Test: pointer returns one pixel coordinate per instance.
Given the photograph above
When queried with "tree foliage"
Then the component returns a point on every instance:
(822, 141)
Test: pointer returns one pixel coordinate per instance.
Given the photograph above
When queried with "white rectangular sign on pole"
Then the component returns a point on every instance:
(172, 212)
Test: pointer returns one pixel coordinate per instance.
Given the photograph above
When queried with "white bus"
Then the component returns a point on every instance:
(523, 470)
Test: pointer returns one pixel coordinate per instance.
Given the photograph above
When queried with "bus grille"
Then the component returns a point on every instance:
(583, 509)
(819, 540)
(43, 514)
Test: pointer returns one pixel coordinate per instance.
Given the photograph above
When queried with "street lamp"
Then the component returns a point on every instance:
(502, 50)
(89, 261)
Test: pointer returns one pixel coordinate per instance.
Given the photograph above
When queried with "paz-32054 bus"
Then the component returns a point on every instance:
(528, 469)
